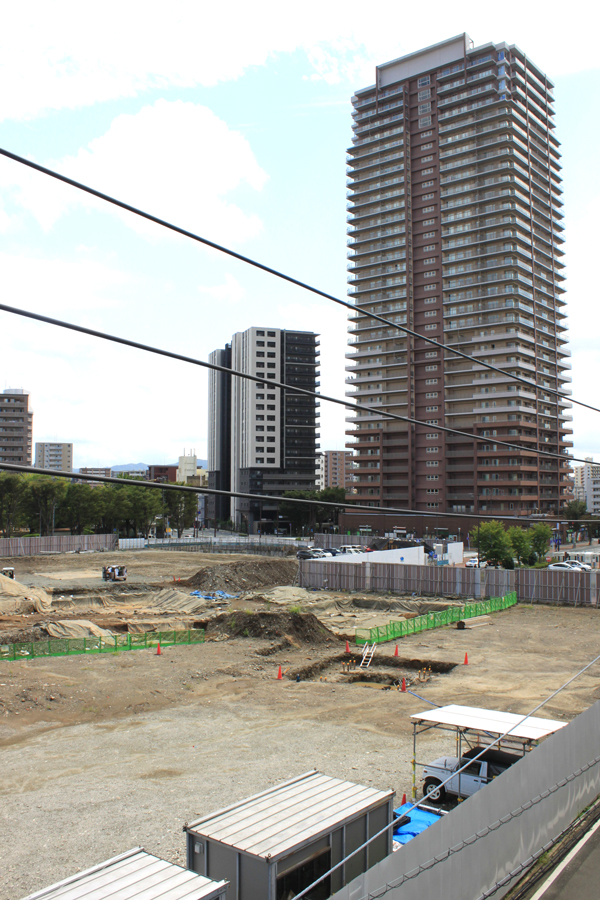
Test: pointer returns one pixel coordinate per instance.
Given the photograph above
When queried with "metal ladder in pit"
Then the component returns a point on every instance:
(367, 656)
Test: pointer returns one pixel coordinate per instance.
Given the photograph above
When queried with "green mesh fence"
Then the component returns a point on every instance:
(113, 644)
(394, 630)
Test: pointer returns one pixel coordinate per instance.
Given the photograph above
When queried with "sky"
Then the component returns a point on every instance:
(232, 121)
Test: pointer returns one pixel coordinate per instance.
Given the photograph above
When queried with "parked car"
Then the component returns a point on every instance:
(350, 550)
(567, 566)
(577, 564)
(474, 563)
(304, 554)
(479, 773)
(331, 550)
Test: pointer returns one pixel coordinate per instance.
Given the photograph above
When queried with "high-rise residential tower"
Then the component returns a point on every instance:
(261, 438)
(16, 427)
(455, 230)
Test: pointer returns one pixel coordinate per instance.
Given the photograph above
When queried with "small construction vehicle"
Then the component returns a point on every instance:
(8, 572)
(114, 573)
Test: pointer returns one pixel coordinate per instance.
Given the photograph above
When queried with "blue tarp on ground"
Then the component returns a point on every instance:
(419, 821)
(216, 595)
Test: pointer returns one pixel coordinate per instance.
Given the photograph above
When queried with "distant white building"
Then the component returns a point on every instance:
(130, 470)
(187, 466)
(54, 456)
(587, 485)
(320, 472)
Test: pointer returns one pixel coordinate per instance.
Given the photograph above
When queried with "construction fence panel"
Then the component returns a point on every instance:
(557, 586)
(109, 644)
(398, 578)
(554, 586)
(473, 851)
(62, 543)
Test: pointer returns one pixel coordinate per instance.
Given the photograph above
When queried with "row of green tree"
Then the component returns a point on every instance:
(500, 546)
(41, 505)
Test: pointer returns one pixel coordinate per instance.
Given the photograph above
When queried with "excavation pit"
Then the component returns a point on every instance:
(384, 671)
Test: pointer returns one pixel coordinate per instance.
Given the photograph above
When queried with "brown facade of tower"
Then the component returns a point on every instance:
(455, 232)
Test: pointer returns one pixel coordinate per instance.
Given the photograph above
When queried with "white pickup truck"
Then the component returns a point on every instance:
(477, 774)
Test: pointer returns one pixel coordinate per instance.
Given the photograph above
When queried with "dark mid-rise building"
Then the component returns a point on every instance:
(16, 427)
(264, 437)
(455, 230)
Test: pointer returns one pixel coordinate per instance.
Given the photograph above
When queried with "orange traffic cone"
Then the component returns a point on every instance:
(158, 651)
(466, 659)
(403, 799)
(403, 688)
(396, 650)
(347, 646)
(279, 674)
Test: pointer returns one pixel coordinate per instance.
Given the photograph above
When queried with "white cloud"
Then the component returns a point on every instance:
(229, 292)
(69, 55)
(52, 286)
(177, 160)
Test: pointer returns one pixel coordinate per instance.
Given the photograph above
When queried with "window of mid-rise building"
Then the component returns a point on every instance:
(260, 396)
(270, 334)
(270, 397)
(260, 352)
(262, 334)
(260, 365)
(424, 95)
(270, 406)
(260, 343)
(259, 460)
(271, 355)
(425, 122)
(271, 460)
(424, 80)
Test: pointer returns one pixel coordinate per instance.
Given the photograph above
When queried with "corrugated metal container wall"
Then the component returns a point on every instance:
(275, 844)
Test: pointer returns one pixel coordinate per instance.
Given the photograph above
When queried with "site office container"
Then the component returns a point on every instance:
(276, 843)
(135, 874)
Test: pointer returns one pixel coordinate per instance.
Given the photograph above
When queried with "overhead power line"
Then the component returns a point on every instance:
(345, 504)
(271, 271)
(275, 384)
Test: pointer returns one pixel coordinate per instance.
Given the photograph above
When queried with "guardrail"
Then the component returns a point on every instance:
(403, 627)
(113, 644)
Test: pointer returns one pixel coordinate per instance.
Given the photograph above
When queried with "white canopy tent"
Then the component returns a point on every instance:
(478, 727)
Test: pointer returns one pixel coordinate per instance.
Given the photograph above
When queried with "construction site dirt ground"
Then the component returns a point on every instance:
(102, 753)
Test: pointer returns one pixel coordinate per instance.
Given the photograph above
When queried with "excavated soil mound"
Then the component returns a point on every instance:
(243, 575)
(297, 627)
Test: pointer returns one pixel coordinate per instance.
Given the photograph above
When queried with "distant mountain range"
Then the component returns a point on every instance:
(135, 467)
